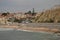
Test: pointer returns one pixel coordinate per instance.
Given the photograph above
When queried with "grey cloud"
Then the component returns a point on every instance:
(27, 4)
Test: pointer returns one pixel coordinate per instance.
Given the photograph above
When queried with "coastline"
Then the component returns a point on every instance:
(30, 29)
(37, 29)
(27, 29)
(12, 29)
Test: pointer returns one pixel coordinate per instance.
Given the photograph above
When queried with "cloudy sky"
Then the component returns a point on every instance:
(25, 5)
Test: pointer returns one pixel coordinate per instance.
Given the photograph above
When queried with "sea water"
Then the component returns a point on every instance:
(24, 35)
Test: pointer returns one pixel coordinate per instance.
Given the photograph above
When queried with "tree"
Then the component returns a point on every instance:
(29, 11)
(5, 14)
(33, 11)
(11, 19)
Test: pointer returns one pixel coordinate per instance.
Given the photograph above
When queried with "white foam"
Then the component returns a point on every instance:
(34, 31)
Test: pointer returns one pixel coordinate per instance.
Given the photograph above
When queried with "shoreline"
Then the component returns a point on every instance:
(31, 29)
(12, 29)
(25, 30)
(41, 29)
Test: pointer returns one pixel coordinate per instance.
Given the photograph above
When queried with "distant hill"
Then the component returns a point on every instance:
(49, 16)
